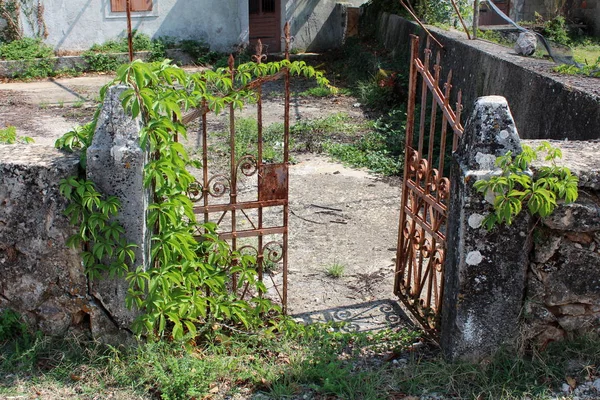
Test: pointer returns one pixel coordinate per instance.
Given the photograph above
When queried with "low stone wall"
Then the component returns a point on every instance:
(39, 276)
(10, 69)
(563, 284)
(544, 104)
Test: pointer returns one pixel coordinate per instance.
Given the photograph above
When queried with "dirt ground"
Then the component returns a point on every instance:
(338, 215)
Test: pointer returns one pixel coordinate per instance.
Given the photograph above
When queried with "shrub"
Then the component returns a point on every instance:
(25, 49)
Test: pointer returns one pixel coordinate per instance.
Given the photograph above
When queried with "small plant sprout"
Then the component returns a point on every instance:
(335, 270)
(514, 188)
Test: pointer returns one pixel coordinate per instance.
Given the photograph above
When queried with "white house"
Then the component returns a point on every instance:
(77, 24)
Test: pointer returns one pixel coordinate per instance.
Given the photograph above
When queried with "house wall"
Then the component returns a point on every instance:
(317, 25)
(73, 25)
(77, 24)
(589, 12)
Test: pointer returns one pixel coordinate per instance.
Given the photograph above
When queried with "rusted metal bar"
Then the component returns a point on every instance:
(253, 232)
(233, 166)
(129, 30)
(424, 91)
(410, 127)
(458, 113)
(205, 161)
(286, 158)
(418, 21)
(258, 58)
(462, 21)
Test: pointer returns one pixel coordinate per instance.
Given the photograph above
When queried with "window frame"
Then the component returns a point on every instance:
(109, 13)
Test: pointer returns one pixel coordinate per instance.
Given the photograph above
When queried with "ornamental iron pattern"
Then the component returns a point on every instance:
(216, 197)
(421, 250)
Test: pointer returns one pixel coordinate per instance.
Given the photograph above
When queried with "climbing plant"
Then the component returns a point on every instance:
(188, 285)
(12, 11)
(515, 188)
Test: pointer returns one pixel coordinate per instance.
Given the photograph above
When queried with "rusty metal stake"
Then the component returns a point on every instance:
(129, 30)
(461, 19)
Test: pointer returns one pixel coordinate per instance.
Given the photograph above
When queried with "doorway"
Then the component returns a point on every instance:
(487, 16)
(264, 23)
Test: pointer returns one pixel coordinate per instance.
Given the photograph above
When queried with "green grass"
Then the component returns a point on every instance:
(308, 135)
(317, 361)
(335, 270)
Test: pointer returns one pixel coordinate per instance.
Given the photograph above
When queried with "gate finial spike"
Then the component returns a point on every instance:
(231, 62)
(259, 56)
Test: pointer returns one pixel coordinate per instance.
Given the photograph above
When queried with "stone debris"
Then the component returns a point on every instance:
(526, 44)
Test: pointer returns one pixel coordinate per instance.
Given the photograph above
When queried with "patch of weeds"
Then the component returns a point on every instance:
(380, 150)
(335, 270)
(35, 68)
(316, 92)
(311, 135)
(495, 37)
(141, 42)
(505, 375)
(588, 70)
(308, 135)
(200, 51)
(101, 62)
(11, 325)
(9, 135)
(25, 49)
(78, 104)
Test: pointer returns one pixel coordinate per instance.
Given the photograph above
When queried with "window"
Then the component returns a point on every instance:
(261, 6)
(136, 5)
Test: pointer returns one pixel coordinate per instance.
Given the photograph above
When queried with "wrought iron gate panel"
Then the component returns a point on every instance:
(425, 190)
(216, 198)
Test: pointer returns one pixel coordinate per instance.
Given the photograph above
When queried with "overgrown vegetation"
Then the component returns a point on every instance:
(514, 188)
(187, 292)
(25, 49)
(381, 149)
(316, 361)
(105, 57)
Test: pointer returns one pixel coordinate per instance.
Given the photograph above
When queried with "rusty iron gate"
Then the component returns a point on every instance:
(241, 217)
(425, 190)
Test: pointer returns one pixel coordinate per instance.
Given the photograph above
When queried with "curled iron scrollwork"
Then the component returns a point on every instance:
(444, 188)
(273, 252)
(195, 191)
(247, 165)
(218, 185)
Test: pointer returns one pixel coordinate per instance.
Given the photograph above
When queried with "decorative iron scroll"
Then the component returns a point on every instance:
(425, 191)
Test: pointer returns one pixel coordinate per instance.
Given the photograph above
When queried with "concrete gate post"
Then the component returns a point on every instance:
(115, 163)
(484, 271)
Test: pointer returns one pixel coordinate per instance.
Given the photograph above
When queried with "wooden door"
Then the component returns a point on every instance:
(487, 16)
(265, 23)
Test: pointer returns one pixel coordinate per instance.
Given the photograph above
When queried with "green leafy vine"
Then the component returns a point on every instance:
(515, 187)
(187, 291)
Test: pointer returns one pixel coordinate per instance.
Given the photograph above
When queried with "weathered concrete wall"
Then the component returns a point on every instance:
(40, 277)
(545, 105)
(77, 24)
(115, 163)
(318, 25)
(563, 285)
